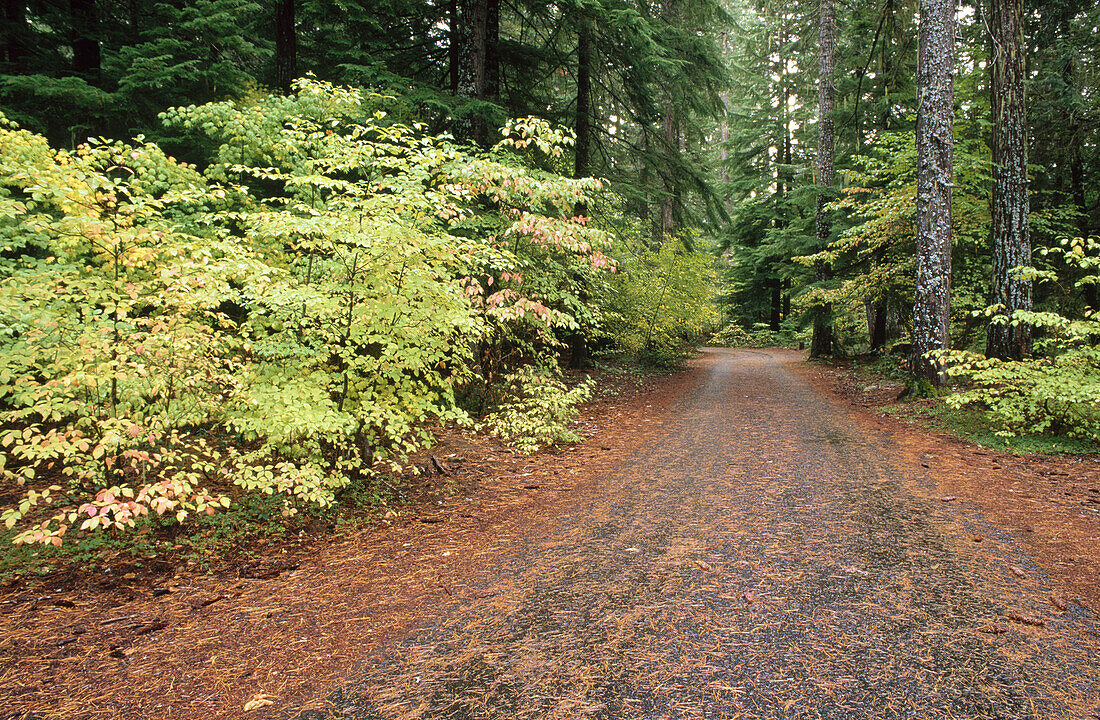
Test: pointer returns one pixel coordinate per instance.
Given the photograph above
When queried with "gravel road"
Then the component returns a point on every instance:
(762, 555)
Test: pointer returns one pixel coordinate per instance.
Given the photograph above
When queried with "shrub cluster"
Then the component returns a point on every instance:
(277, 322)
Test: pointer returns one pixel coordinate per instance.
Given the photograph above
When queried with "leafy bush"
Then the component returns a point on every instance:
(1056, 392)
(662, 303)
(536, 409)
(171, 339)
(761, 335)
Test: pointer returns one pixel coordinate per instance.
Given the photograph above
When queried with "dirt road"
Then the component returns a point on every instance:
(759, 555)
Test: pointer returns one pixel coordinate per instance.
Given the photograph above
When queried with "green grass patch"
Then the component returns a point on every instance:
(976, 426)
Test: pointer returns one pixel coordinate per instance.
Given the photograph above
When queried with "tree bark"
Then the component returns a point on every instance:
(669, 226)
(582, 122)
(821, 343)
(776, 318)
(1011, 244)
(478, 21)
(725, 130)
(286, 46)
(935, 126)
(454, 51)
(16, 38)
(876, 325)
(87, 61)
(582, 160)
(492, 50)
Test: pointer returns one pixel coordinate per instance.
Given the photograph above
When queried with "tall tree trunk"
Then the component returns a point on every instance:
(1011, 245)
(725, 130)
(821, 343)
(454, 50)
(582, 122)
(876, 324)
(935, 124)
(670, 203)
(776, 288)
(478, 63)
(492, 51)
(85, 40)
(783, 134)
(16, 37)
(286, 46)
(669, 225)
(582, 126)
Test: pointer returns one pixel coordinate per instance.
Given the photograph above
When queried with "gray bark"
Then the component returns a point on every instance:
(935, 125)
(1011, 244)
(478, 28)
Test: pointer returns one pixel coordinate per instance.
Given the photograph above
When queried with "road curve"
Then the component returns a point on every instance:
(761, 556)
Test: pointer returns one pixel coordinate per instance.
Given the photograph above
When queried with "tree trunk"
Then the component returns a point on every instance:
(670, 203)
(454, 51)
(286, 46)
(16, 38)
(492, 51)
(85, 40)
(474, 20)
(478, 21)
(725, 132)
(821, 343)
(669, 225)
(777, 304)
(582, 123)
(876, 325)
(582, 160)
(1011, 245)
(935, 124)
(783, 139)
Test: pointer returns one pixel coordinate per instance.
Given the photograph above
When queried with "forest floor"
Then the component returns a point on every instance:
(750, 537)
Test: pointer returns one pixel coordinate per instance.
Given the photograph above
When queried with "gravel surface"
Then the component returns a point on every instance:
(761, 556)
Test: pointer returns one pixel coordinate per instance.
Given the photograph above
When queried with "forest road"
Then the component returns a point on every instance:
(761, 555)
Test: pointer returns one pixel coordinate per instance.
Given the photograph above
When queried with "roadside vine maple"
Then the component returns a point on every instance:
(276, 323)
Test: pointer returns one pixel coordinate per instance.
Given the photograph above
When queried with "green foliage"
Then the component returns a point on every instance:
(276, 324)
(536, 409)
(1058, 391)
(662, 304)
(761, 335)
(874, 257)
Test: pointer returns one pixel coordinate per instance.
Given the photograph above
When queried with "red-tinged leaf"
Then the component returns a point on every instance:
(1027, 620)
(1059, 602)
(1018, 571)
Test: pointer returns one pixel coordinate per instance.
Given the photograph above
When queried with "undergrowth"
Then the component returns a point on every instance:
(242, 531)
(972, 424)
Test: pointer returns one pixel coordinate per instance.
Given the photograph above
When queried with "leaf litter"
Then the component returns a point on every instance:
(719, 561)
